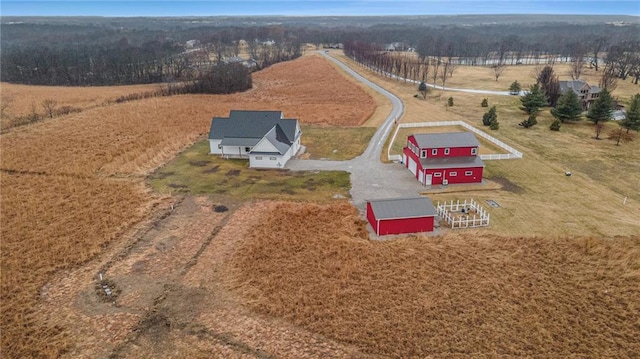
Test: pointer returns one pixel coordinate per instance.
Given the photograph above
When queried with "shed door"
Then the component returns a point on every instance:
(427, 182)
(413, 167)
(421, 177)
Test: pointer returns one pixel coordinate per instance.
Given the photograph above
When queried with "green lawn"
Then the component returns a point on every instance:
(195, 171)
(336, 143)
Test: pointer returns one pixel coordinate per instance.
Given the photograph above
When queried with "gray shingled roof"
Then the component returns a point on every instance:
(402, 208)
(452, 162)
(448, 139)
(277, 137)
(233, 141)
(251, 124)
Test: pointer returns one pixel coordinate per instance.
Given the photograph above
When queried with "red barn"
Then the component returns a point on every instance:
(443, 158)
(401, 215)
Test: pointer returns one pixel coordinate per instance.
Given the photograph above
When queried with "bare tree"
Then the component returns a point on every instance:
(578, 53)
(498, 70)
(49, 106)
(620, 135)
(597, 44)
(609, 78)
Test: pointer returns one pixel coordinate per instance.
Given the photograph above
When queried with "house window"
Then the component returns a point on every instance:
(423, 153)
(219, 146)
(437, 174)
(258, 158)
(247, 149)
(453, 174)
(474, 151)
(434, 151)
(468, 173)
(272, 158)
(446, 151)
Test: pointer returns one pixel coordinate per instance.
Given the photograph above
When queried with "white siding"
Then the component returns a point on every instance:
(235, 151)
(264, 146)
(213, 147)
(266, 161)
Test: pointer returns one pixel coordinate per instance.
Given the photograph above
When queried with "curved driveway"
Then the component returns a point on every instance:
(370, 178)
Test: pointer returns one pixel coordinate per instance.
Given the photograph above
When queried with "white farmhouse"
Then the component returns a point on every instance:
(266, 138)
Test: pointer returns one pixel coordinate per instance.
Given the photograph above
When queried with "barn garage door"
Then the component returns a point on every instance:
(413, 167)
(404, 159)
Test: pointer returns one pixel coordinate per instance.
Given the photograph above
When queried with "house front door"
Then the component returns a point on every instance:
(427, 181)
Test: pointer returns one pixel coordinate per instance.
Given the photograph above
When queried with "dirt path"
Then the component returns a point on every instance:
(167, 297)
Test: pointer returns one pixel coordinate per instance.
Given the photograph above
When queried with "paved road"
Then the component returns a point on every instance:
(370, 178)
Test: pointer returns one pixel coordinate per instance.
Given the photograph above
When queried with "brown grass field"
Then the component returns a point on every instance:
(469, 294)
(555, 275)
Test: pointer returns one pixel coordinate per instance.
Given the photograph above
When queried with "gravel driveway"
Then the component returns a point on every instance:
(370, 178)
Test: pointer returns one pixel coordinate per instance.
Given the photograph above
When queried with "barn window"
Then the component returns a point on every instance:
(272, 158)
(258, 158)
(474, 151)
(446, 151)
(434, 151)
(423, 153)
(453, 174)
(437, 174)
(468, 173)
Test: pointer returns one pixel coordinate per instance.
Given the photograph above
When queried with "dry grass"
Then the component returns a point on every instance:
(51, 223)
(22, 100)
(465, 295)
(60, 207)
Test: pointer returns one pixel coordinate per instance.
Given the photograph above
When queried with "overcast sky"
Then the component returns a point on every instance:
(316, 7)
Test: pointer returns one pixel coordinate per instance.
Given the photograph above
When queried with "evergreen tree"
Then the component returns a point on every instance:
(529, 122)
(568, 108)
(601, 110)
(489, 116)
(494, 124)
(534, 100)
(632, 119)
(484, 103)
(515, 88)
(555, 125)
(450, 102)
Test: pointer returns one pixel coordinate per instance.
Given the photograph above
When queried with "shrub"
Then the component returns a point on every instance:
(529, 122)
(494, 125)
(555, 125)
(489, 116)
(450, 102)
(485, 103)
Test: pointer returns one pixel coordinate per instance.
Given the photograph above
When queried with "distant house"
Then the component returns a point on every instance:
(248, 63)
(586, 93)
(266, 138)
(401, 215)
(443, 158)
(192, 43)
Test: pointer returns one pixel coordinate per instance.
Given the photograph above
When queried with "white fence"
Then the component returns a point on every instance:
(513, 153)
(463, 218)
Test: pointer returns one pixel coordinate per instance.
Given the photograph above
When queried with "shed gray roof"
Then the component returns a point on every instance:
(251, 124)
(402, 208)
(447, 139)
(451, 162)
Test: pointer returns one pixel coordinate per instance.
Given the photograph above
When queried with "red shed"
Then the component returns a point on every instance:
(401, 215)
